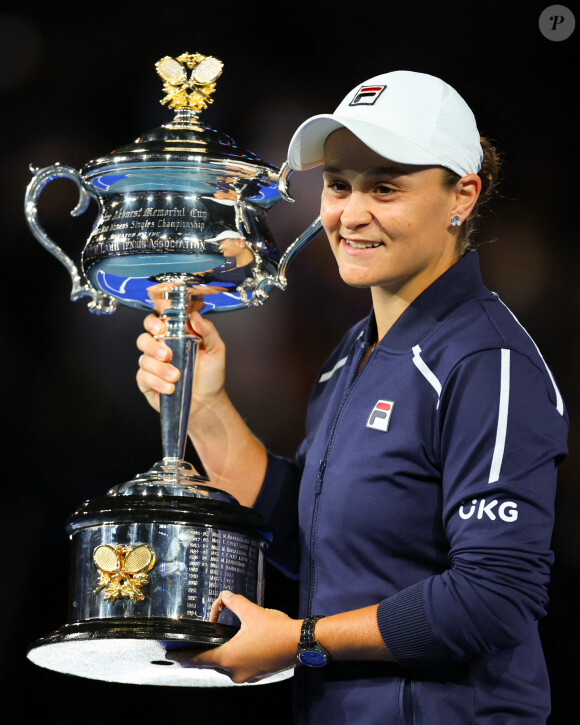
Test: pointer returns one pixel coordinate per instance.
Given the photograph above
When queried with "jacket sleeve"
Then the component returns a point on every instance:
(278, 504)
(500, 436)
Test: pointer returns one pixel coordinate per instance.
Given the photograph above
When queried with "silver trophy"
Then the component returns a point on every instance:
(181, 227)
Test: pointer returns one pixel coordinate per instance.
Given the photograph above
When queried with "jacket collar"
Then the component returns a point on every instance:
(458, 284)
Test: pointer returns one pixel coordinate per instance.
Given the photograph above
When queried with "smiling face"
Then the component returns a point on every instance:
(388, 224)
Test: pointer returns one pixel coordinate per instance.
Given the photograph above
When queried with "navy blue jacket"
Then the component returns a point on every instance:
(426, 483)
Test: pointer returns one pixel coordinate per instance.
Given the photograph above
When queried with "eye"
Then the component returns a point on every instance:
(336, 186)
(384, 189)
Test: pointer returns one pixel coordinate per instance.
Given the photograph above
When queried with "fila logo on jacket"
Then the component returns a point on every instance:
(380, 416)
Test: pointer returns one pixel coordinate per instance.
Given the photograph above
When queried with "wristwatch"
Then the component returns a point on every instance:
(309, 651)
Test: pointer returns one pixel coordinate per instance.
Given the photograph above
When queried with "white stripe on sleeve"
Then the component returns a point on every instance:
(425, 371)
(559, 401)
(502, 418)
(326, 376)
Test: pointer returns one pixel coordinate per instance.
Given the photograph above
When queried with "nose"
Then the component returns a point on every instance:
(356, 212)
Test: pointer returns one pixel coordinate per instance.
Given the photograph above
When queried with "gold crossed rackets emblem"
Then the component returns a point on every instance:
(123, 570)
(189, 90)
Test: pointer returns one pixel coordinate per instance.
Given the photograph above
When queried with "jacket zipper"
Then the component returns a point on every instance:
(321, 472)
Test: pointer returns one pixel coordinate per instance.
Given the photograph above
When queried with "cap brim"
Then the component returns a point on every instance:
(306, 149)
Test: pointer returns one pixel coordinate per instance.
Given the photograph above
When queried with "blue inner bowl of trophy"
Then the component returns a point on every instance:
(128, 279)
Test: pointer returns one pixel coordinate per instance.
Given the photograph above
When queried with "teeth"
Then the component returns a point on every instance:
(362, 245)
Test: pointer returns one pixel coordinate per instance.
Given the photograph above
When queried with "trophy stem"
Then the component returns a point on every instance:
(175, 408)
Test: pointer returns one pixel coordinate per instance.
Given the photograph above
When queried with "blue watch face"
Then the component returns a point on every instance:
(312, 658)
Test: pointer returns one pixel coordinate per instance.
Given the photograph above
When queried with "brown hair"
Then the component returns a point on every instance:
(489, 174)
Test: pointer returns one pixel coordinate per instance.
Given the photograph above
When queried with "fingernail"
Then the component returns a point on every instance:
(161, 352)
(226, 594)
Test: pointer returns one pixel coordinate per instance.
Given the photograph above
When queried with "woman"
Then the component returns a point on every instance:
(425, 484)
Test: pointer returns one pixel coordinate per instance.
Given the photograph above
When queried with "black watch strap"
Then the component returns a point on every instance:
(309, 651)
(307, 630)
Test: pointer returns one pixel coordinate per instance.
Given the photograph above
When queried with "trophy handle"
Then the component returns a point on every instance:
(264, 285)
(100, 303)
(283, 188)
(297, 245)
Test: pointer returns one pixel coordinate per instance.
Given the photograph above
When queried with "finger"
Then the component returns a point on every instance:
(238, 604)
(190, 658)
(153, 366)
(154, 348)
(216, 609)
(154, 325)
(151, 395)
(149, 382)
(208, 658)
(163, 370)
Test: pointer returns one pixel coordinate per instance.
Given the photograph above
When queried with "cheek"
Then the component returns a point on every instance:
(329, 214)
(423, 220)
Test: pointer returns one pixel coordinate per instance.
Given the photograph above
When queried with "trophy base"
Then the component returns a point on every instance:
(135, 652)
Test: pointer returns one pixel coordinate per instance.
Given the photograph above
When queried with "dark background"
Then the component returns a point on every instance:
(77, 84)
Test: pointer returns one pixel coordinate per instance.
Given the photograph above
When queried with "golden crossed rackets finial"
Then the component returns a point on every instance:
(185, 90)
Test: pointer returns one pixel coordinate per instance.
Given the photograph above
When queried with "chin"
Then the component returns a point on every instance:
(356, 278)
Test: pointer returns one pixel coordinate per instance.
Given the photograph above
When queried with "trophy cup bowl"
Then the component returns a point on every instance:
(181, 227)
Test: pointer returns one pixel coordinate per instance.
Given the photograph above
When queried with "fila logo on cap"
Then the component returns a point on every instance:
(367, 95)
(380, 416)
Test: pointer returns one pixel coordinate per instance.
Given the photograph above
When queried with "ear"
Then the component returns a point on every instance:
(467, 191)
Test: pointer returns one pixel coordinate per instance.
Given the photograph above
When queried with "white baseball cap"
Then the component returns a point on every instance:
(407, 117)
(228, 234)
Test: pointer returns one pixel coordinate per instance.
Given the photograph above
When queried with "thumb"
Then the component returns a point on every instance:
(236, 603)
(212, 657)
(200, 325)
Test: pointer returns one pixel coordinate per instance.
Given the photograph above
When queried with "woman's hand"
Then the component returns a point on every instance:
(267, 642)
(157, 375)
(232, 456)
